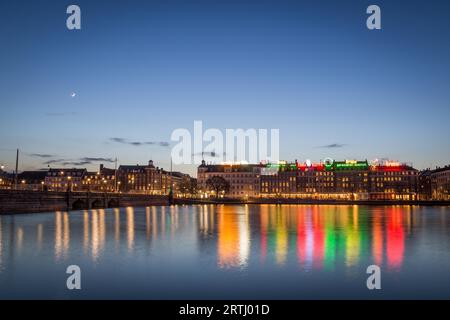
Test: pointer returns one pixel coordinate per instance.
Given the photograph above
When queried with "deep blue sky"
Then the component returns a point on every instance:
(141, 69)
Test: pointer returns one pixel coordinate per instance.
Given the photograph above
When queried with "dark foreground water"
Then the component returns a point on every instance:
(228, 252)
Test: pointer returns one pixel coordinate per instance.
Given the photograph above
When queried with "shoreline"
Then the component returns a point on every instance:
(283, 201)
(26, 202)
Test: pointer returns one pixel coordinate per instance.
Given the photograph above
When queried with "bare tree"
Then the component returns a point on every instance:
(217, 184)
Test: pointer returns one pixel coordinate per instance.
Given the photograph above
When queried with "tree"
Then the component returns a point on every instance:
(217, 184)
(188, 186)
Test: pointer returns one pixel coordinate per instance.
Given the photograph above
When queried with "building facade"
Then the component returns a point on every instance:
(144, 179)
(440, 183)
(6, 180)
(424, 185)
(65, 179)
(104, 180)
(394, 181)
(331, 180)
(32, 180)
(242, 178)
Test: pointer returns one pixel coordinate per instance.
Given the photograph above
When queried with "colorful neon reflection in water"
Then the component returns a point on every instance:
(229, 249)
(319, 236)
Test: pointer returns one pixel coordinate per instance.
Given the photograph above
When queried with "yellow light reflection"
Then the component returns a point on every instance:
(58, 235)
(154, 223)
(147, 222)
(85, 231)
(353, 240)
(130, 227)
(117, 225)
(95, 243)
(66, 234)
(19, 239)
(233, 238)
(102, 228)
(39, 236)
(282, 238)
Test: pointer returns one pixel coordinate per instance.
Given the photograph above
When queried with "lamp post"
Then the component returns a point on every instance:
(115, 175)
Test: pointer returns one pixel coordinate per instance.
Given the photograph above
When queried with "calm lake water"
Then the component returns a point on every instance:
(228, 252)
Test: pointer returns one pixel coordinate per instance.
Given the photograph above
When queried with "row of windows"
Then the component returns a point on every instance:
(67, 173)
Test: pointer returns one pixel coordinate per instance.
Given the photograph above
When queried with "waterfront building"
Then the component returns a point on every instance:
(330, 180)
(440, 183)
(103, 180)
(181, 183)
(424, 185)
(278, 179)
(242, 178)
(144, 179)
(344, 180)
(32, 180)
(6, 180)
(65, 179)
(393, 181)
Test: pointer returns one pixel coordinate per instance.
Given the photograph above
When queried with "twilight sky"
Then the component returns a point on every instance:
(141, 69)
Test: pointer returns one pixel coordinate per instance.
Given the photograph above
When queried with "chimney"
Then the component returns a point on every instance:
(101, 167)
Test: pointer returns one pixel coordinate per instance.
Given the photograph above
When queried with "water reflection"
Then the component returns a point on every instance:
(62, 235)
(39, 236)
(308, 237)
(233, 237)
(116, 226)
(395, 238)
(130, 228)
(319, 236)
(228, 250)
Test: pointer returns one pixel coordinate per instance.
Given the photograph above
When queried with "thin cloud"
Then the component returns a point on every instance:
(333, 146)
(39, 155)
(119, 140)
(78, 162)
(97, 159)
(54, 161)
(140, 143)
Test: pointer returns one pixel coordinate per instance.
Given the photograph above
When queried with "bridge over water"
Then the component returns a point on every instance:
(17, 201)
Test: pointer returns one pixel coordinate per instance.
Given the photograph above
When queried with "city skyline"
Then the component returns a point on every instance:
(118, 87)
(93, 164)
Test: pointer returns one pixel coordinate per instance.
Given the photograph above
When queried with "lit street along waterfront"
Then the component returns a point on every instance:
(228, 252)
